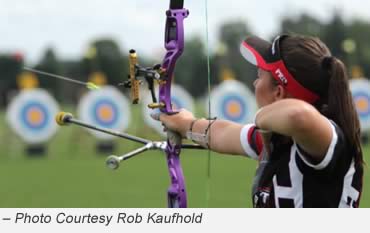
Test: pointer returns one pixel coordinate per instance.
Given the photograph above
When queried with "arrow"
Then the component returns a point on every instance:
(89, 85)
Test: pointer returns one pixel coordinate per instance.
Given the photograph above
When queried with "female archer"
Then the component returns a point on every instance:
(306, 134)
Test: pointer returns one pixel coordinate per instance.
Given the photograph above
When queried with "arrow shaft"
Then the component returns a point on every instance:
(54, 76)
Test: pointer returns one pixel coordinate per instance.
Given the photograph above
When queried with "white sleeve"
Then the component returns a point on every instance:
(246, 141)
(328, 156)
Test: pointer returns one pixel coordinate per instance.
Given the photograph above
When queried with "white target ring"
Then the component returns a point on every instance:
(233, 101)
(31, 116)
(360, 89)
(107, 108)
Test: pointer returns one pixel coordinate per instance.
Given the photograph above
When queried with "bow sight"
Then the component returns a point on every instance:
(150, 74)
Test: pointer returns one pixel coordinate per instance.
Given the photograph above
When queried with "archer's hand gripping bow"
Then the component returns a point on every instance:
(163, 74)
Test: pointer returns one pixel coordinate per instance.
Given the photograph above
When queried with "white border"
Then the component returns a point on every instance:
(329, 154)
(213, 220)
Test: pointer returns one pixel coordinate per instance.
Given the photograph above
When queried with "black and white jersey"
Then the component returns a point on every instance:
(290, 179)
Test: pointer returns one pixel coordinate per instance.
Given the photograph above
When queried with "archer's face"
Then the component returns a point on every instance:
(264, 88)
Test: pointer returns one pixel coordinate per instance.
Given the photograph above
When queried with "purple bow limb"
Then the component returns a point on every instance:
(174, 44)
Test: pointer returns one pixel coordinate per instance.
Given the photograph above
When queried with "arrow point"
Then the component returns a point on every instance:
(92, 86)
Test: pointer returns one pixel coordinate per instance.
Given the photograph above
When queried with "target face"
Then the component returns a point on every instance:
(234, 108)
(31, 116)
(34, 116)
(106, 108)
(180, 98)
(233, 101)
(105, 112)
(360, 89)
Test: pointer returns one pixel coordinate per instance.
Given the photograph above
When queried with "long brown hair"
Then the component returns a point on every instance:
(309, 60)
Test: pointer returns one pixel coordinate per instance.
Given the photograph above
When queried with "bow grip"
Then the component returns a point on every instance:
(133, 81)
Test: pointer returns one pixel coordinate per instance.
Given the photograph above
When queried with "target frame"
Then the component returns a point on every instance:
(360, 89)
(31, 115)
(116, 111)
(236, 93)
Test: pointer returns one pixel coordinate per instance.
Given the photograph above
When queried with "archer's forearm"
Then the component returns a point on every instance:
(223, 136)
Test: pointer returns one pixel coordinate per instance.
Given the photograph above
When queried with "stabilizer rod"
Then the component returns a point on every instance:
(113, 161)
(64, 118)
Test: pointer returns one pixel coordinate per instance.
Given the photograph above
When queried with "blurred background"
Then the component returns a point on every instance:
(89, 41)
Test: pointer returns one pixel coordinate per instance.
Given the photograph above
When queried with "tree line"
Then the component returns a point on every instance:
(347, 41)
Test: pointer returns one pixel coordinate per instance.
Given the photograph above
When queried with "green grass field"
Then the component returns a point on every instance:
(74, 175)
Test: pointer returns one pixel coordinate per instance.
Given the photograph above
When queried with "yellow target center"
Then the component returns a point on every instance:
(105, 113)
(233, 108)
(362, 104)
(35, 116)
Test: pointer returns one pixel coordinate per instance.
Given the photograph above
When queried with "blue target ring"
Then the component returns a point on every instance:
(234, 108)
(105, 113)
(362, 101)
(34, 116)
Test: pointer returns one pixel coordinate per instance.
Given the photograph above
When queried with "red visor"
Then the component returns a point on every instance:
(267, 57)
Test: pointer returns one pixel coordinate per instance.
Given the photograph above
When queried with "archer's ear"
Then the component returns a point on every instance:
(280, 92)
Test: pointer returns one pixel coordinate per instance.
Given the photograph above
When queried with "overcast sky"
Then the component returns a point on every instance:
(68, 26)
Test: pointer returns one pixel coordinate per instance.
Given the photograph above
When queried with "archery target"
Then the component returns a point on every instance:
(31, 115)
(233, 101)
(360, 89)
(106, 108)
(180, 98)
